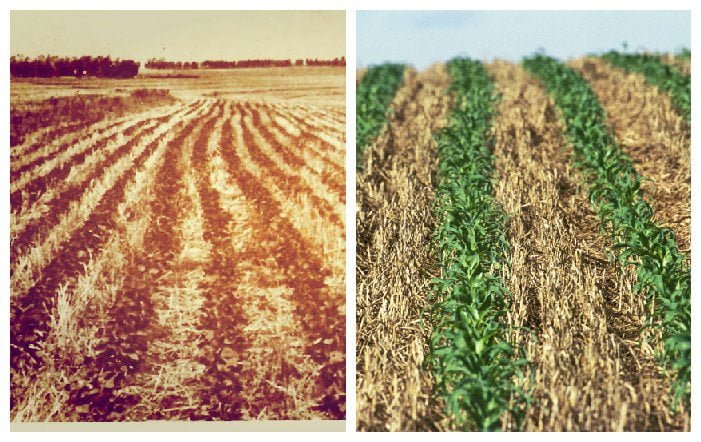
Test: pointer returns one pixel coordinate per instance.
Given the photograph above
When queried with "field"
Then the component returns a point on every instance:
(178, 247)
(523, 245)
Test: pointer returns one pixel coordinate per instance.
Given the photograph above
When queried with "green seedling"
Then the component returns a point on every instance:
(475, 368)
(373, 97)
(663, 273)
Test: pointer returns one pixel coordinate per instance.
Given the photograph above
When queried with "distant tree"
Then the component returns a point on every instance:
(52, 66)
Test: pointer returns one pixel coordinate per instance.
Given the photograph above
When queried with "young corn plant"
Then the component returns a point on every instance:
(474, 366)
(373, 97)
(663, 273)
(657, 73)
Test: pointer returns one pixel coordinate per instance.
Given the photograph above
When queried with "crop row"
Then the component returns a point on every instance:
(373, 97)
(472, 361)
(659, 74)
(663, 274)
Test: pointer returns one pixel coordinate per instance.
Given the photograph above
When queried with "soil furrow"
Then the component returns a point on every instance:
(30, 265)
(294, 183)
(327, 142)
(284, 152)
(224, 317)
(78, 313)
(30, 311)
(125, 355)
(332, 172)
(333, 120)
(46, 211)
(303, 273)
(59, 139)
(27, 187)
(57, 207)
(320, 125)
(277, 380)
(32, 162)
(39, 137)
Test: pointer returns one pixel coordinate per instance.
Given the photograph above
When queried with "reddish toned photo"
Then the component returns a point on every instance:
(177, 216)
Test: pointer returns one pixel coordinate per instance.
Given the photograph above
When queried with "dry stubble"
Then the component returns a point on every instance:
(592, 370)
(395, 217)
(654, 135)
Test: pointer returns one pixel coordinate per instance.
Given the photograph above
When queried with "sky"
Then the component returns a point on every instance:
(422, 38)
(179, 35)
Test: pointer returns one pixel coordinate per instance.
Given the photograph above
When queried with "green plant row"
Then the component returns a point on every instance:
(663, 273)
(373, 97)
(657, 73)
(684, 54)
(473, 364)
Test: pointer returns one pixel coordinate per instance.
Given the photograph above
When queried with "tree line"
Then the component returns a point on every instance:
(161, 63)
(52, 66)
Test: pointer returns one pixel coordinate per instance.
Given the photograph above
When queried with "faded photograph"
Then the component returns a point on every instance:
(177, 216)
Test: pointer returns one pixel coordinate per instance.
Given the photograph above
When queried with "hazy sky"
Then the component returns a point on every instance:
(186, 35)
(424, 37)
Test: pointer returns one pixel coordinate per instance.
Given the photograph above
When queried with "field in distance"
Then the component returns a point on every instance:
(313, 85)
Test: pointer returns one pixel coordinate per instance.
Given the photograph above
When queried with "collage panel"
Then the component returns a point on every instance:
(177, 225)
(523, 221)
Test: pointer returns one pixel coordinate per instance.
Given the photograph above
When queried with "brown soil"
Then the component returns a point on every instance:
(301, 269)
(125, 339)
(310, 134)
(294, 182)
(290, 151)
(30, 313)
(69, 130)
(65, 194)
(333, 174)
(30, 116)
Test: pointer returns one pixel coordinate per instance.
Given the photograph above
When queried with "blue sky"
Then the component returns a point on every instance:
(424, 37)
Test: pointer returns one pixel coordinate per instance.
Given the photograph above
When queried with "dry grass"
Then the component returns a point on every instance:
(395, 220)
(298, 208)
(78, 174)
(593, 371)
(322, 86)
(29, 115)
(309, 172)
(654, 135)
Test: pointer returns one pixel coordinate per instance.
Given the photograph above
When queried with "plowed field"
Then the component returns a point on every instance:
(181, 261)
